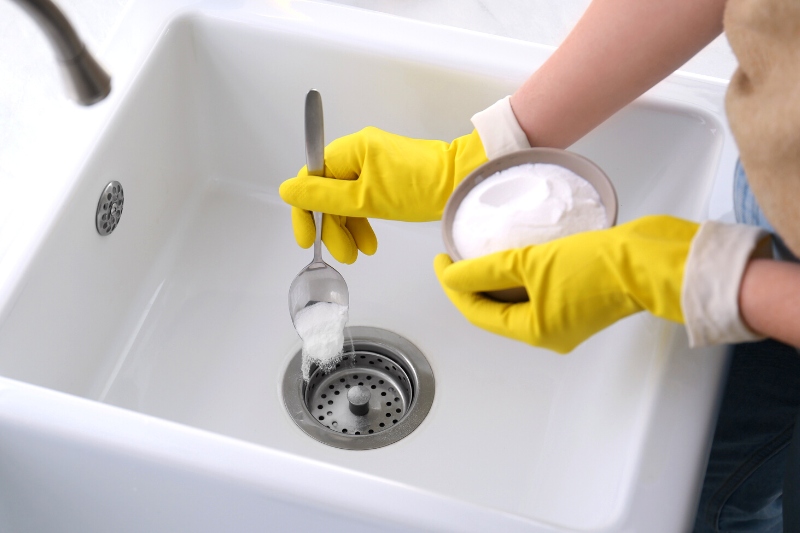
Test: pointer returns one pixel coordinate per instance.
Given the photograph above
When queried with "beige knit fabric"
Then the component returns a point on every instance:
(763, 106)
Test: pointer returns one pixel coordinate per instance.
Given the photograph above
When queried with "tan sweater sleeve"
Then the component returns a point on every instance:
(763, 106)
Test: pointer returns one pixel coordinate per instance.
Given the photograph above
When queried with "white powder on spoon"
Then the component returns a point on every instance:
(523, 205)
(321, 327)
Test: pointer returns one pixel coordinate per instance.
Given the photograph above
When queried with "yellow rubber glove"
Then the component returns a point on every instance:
(378, 175)
(578, 285)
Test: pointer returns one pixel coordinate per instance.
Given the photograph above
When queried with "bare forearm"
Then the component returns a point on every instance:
(616, 52)
(769, 299)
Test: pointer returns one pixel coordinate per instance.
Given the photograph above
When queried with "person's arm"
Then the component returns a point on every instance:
(769, 299)
(618, 50)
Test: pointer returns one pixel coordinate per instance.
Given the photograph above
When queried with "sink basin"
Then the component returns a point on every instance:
(141, 371)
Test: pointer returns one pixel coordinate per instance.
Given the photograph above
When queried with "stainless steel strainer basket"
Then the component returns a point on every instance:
(377, 394)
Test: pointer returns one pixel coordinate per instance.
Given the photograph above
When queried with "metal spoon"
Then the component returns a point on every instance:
(318, 282)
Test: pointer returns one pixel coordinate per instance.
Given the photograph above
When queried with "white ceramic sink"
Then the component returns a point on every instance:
(141, 371)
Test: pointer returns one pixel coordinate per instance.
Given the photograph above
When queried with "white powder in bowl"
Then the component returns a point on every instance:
(523, 205)
(321, 327)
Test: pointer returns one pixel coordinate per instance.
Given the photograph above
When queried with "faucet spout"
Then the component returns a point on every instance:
(87, 83)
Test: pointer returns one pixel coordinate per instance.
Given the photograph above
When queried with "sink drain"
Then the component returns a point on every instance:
(380, 392)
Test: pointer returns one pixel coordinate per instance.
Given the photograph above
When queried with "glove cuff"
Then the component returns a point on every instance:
(499, 130)
(718, 256)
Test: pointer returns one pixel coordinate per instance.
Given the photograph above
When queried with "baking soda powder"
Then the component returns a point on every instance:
(523, 205)
(321, 327)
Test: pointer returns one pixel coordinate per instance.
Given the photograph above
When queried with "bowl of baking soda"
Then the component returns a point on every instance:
(527, 197)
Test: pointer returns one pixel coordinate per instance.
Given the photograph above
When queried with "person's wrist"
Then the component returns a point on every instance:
(769, 299)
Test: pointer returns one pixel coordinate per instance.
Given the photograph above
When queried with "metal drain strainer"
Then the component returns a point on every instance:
(380, 392)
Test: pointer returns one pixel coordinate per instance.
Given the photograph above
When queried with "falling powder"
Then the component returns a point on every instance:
(524, 205)
(321, 327)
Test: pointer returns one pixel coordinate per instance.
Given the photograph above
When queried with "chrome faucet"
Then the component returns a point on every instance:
(87, 83)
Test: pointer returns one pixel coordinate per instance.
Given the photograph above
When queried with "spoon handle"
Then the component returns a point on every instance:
(318, 237)
(315, 154)
(315, 134)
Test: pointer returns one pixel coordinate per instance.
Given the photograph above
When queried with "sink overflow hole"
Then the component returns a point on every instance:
(109, 208)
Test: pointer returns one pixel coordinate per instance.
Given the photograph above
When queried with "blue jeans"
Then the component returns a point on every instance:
(748, 212)
(743, 489)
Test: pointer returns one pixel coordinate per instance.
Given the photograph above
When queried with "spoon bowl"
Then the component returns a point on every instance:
(318, 282)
